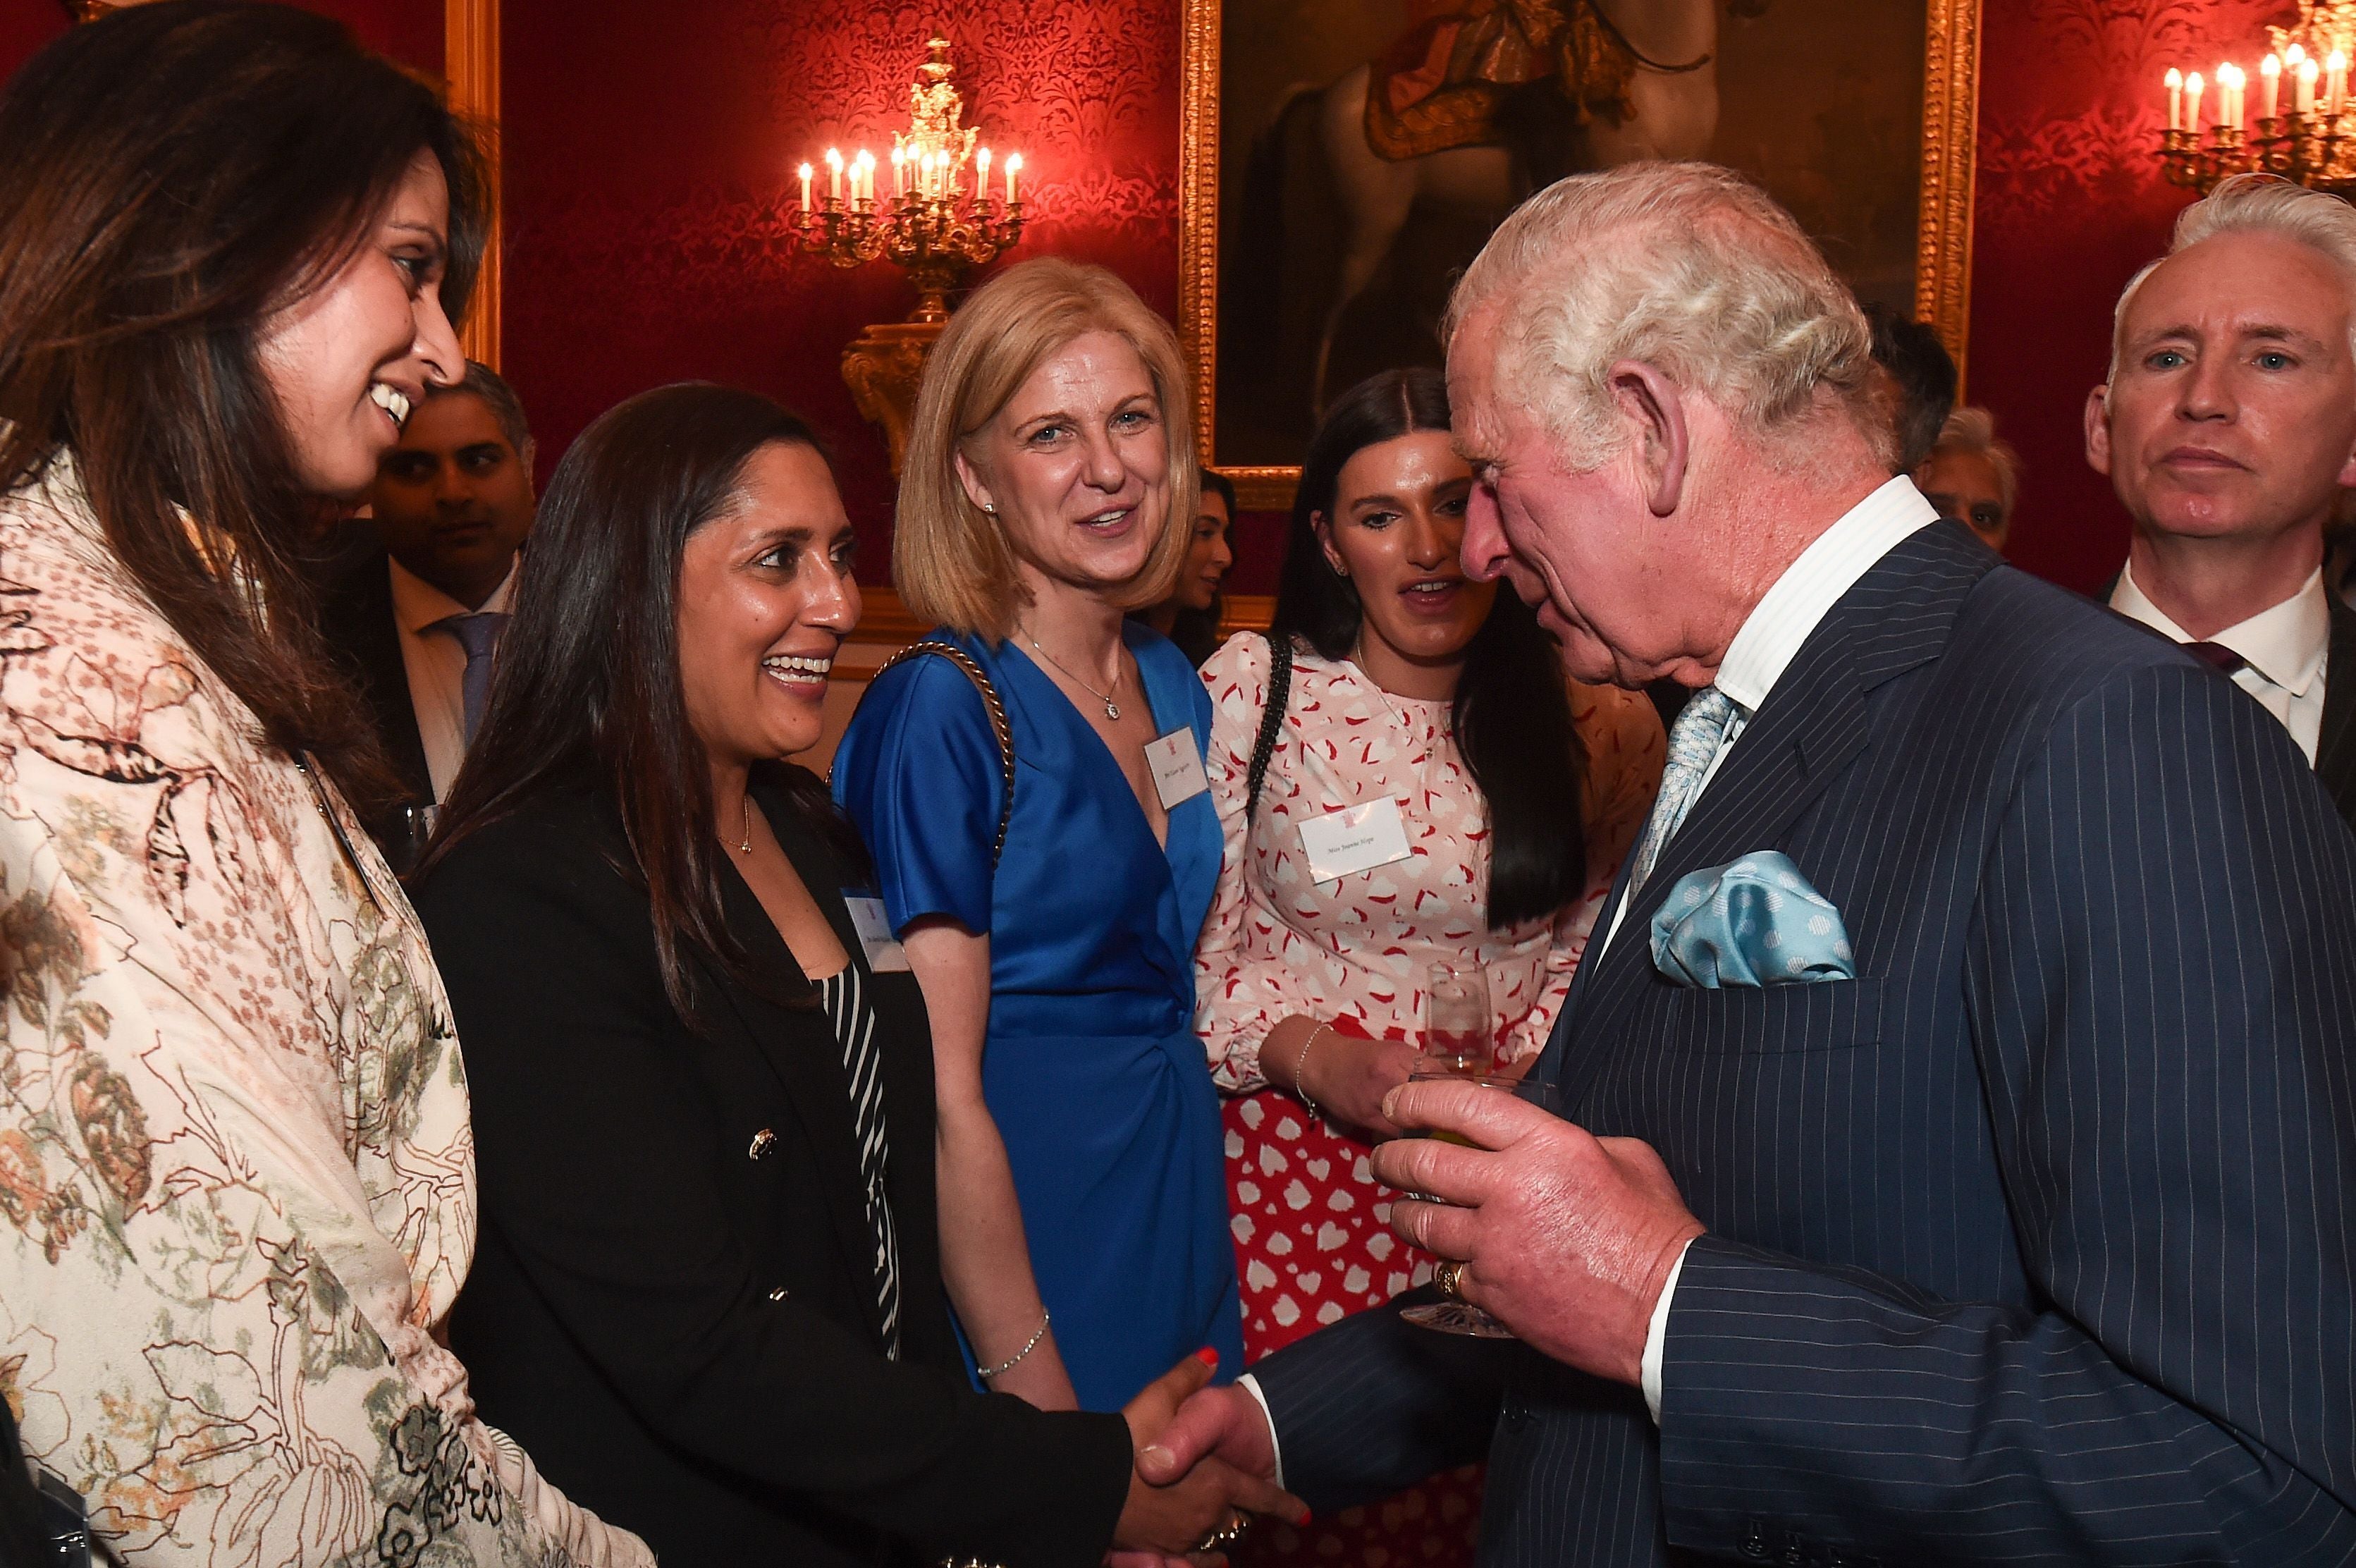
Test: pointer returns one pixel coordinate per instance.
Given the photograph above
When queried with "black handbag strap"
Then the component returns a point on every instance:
(998, 725)
(1271, 719)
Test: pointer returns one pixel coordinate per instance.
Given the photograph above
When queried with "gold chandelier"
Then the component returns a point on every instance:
(943, 215)
(2305, 128)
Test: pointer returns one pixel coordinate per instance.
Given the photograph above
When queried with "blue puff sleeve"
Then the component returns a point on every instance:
(919, 772)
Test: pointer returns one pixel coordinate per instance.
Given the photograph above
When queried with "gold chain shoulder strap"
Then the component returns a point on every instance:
(999, 723)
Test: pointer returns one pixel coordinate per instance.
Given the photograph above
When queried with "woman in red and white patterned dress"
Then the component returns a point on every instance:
(1513, 795)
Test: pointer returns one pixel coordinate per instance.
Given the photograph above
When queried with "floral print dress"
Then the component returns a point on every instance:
(1311, 1224)
(236, 1191)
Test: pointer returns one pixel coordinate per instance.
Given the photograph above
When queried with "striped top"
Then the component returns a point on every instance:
(844, 996)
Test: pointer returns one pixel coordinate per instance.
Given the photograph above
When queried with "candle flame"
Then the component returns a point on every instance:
(834, 157)
(2175, 80)
(2192, 84)
(805, 171)
(2339, 62)
(1014, 162)
(2294, 56)
(2270, 65)
(2309, 71)
(981, 160)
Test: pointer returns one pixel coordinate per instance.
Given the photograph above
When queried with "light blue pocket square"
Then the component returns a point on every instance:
(1755, 921)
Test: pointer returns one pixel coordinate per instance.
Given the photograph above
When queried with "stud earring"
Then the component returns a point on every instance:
(990, 509)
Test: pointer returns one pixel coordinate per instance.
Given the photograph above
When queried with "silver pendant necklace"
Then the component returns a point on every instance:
(1112, 709)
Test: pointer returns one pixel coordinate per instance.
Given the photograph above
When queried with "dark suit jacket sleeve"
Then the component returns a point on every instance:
(596, 1172)
(2162, 990)
(1373, 1404)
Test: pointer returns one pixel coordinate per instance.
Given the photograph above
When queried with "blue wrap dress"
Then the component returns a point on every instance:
(1090, 1065)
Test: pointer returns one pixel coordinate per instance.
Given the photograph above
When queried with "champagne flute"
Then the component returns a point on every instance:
(1456, 1021)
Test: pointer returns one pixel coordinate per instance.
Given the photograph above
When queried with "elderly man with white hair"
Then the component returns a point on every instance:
(1956, 1156)
(2227, 424)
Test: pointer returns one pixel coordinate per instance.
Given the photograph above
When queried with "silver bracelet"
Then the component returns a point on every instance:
(1300, 1060)
(1016, 1359)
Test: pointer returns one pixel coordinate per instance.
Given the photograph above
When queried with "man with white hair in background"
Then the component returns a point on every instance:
(1955, 1148)
(2227, 424)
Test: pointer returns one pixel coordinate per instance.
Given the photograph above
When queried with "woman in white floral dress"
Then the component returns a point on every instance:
(236, 1178)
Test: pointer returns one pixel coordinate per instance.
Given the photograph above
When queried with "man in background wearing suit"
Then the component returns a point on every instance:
(2228, 427)
(1957, 1149)
(419, 624)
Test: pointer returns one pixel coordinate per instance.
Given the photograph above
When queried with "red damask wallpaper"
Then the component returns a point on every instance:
(650, 158)
(2070, 204)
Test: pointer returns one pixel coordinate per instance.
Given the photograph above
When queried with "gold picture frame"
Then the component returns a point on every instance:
(1943, 234)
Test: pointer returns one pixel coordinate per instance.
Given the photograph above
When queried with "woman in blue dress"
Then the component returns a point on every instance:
(1049, 899)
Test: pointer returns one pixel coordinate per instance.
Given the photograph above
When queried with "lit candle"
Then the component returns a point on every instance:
(899, 171)
(2193, 89)
(805, 178)
(2270, 87)
(2336, 82)
(2231, 82)
(1013, 167)
(981, 179)
(2304, 99)
(834, 173)
(2175, 99)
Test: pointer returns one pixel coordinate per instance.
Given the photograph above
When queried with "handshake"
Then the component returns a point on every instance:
(1205, 1464)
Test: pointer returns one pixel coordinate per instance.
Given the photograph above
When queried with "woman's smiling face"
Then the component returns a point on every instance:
(349, 360)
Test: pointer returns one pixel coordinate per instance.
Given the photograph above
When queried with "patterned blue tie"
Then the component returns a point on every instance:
(1693, 741)
(479, 634)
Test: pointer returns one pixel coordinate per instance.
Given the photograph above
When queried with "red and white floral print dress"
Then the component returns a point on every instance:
(1313, 1242)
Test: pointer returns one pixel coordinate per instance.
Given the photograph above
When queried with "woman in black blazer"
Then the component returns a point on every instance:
(707, 1293)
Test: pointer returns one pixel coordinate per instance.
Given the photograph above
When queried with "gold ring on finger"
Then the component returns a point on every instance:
(1449, 1277)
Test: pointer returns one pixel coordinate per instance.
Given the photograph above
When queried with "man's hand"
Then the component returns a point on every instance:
(1172, 1506)
(1567, 1238)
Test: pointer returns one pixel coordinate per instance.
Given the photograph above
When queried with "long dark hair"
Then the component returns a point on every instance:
(1512, 709)
(587, 689)
(171, 175)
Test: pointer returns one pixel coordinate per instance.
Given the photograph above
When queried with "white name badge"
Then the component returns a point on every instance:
(884, 956)
(1346, 842)
(1177, 768)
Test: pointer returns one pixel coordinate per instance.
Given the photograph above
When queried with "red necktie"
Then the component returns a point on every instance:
(2217, 656)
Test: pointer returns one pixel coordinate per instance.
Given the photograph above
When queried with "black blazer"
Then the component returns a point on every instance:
(2035, 1243)
(357, 619)
(2334, 747)
(672, 1307)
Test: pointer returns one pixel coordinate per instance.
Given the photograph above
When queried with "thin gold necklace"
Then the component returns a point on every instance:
(1112, 709)
(745, 847)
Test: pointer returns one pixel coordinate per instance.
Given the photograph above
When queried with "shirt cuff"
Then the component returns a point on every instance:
(1250, 1385)
(1657, 1341)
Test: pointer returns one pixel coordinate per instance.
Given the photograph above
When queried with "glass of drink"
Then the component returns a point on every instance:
(1461, 1317)
(1456, 1034)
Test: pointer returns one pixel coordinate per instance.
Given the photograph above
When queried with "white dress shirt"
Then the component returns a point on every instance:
(2285, 651)
(436, 665)
(1769, 638)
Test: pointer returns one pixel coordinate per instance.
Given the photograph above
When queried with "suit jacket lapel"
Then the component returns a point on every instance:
(800, 1045)
(1813, 725)
(2334, 747)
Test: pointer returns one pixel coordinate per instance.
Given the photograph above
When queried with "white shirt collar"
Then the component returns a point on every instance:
(2285, 644)
(418, 603)
(1808, 590)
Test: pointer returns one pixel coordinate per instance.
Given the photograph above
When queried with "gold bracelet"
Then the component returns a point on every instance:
(1016, 1359)
(1301, 1060)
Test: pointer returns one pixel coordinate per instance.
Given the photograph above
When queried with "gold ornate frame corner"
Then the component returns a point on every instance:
(1942, 265)
(470, 57)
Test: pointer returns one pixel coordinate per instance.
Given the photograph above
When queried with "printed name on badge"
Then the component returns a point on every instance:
(1360, 838)
(1177, 768)
(884, 956)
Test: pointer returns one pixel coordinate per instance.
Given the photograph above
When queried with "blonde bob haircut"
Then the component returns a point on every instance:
(952, 561)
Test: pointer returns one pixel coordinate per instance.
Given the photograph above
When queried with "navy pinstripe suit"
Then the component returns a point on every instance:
(2035, 1243)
